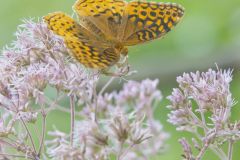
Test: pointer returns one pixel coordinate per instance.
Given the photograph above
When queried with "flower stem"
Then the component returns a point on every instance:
(106, 85)
(100, 93)
(72, 107)
(43, 131)
(219, 152)
(124, 153)
(203, 150)
(230, 150)
(120, 151)
(30, 136)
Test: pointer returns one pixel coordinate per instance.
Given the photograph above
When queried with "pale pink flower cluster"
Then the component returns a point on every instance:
(103, 125)
(202, 105)
(126, 127)
(37, 74)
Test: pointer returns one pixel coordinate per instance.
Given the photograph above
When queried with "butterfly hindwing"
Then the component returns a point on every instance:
(92, 56)
(146, 21)
(63, 25)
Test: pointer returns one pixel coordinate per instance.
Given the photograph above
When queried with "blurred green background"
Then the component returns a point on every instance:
(209, 33)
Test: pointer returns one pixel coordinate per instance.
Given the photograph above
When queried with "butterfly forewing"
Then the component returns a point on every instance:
(146, 21)
(101, 15)
(81, 43)
(63, 25)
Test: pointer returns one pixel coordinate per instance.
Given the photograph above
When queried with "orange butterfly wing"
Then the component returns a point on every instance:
(102, 17)
(105, 27)
(82, 44)
(146, 21)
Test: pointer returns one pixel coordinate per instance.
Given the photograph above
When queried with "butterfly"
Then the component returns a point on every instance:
(105, 28)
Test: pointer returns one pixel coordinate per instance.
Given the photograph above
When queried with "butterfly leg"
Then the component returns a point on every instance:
(123, 66)
(123, 62)
(111, 74)
(122, 72)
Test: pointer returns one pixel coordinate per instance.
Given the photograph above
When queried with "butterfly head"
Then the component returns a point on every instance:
(121, 49)
(124, 51)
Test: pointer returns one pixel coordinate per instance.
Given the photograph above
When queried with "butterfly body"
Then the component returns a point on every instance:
(105, 28)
